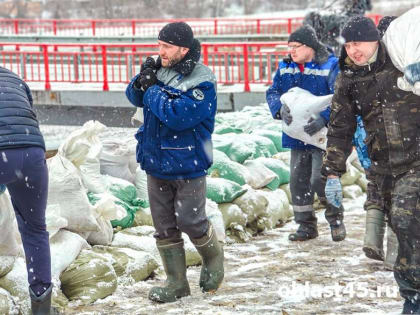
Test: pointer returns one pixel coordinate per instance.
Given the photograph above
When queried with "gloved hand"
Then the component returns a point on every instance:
(2, 188)
(150, 63)
(285, 114)
(412, 73)
(146, 79)
(334, 192)
(314, 125)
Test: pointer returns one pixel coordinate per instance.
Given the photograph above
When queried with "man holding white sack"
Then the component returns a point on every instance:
(311, 67)
(367, 86)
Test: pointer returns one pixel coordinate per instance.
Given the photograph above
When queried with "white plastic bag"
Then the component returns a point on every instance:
(402, 41)
(304, 105)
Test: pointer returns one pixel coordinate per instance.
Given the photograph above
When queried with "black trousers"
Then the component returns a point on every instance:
(305, 181)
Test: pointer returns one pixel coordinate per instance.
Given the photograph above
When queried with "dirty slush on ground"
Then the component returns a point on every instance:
(261, 274)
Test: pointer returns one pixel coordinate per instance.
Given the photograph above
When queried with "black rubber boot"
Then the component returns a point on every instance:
(338, 231)
(307, 230)
(173, 258)
(41, 305)
(211, 251)
(373, 244)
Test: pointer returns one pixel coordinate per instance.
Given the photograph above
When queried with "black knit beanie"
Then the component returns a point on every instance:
(360, 29)
(178, 34)
(305, 35)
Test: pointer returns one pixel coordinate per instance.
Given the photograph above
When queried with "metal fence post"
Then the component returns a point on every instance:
(246, 70)
(105, 70)
(46, 68)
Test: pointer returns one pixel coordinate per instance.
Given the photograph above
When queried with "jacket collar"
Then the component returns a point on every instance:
(187, 64)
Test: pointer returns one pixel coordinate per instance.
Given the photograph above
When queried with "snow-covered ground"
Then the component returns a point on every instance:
(271, 275)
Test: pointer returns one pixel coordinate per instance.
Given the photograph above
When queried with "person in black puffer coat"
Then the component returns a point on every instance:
(24, 172)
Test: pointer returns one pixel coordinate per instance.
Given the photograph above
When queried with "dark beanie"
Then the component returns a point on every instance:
(305, 35)
(178, 34)
(360, 29)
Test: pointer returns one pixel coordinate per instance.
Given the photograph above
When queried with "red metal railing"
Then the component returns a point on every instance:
(150, 27)
(146, 27)
(233, 63)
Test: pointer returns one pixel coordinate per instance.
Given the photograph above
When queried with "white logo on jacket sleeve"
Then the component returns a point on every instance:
(198, 94)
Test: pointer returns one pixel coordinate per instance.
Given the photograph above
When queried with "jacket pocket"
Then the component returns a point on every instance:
(178, 154)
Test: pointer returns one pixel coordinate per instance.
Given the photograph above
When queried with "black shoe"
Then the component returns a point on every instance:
(303, 235)
(338, 232)
(373, 253)
(410, 307)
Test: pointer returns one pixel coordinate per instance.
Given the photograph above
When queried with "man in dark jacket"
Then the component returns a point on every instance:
(367, 86)
(24, 172)
(178, 97)
(312, 68)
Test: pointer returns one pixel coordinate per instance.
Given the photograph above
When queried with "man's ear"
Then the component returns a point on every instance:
(184, 51)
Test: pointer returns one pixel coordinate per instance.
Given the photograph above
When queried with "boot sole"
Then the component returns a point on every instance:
(372, 254)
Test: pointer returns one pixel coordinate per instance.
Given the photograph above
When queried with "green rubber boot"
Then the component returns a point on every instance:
(391, 249)
(211, 251)
(374, 234)
(173, 259)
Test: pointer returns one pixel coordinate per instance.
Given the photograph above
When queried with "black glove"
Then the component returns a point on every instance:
(146, 79)
(412, 73)
(285, 114)
(149, 63)
(314, 125)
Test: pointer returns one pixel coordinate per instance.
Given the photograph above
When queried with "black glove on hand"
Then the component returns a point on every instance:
(146, 79)
(149, 63)
(285, 114)
(314, 125)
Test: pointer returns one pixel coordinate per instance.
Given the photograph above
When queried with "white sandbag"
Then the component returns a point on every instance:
(261, 175)
(362, 182)
(143, 230)
(54, 220)
(143, 216)
(216, 219)
(278, 210)
(351, 176)
(283, 156)
(141, 243)
(6, 265)
(8, 227)
(7, 305)
(90, 172)
(132, 154)
(402, 41)
(65, 246)
(140, 182)
(232, 215)
(89, 278)
(352, 191)
(105, 210)
(130, 265)
(16, 283)
(82, 143)
(66, 189)
(148, 244)
(286, 189)
(253, 203)
(114, 159)
(304, 105)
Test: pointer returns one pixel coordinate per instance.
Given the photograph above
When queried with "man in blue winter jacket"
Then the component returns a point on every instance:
(311, 67)
(178, 97)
